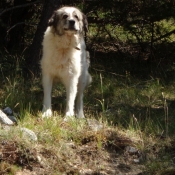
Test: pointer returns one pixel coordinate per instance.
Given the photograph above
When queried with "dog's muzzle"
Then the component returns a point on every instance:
(71, 23)
(71, 26)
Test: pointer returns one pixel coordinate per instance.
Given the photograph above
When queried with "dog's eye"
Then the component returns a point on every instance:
(76, 17)
(65, 16)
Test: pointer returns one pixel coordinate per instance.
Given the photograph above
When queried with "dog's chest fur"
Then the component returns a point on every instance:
(64, 54)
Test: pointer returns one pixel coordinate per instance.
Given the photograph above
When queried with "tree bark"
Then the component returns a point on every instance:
(34, 53)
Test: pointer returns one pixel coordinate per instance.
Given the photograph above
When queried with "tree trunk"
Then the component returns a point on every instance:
(34, 53)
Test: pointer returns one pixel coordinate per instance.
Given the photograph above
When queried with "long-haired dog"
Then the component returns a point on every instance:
(65, 58)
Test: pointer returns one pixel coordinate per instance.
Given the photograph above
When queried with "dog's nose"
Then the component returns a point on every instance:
(71, 22)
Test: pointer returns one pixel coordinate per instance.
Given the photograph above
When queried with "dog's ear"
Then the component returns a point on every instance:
(53, 19)
(85, 23)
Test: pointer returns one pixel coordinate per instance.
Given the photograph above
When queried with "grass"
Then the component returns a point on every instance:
(132, 112)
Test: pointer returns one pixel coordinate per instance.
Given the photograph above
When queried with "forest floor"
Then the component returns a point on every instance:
(103, 152)
(95, 149)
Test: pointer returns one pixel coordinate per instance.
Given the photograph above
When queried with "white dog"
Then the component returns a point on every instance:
(65, 58)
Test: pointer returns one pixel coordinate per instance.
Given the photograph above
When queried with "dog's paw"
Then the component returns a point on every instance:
(47, 113)
(69, 116)
(80, 114)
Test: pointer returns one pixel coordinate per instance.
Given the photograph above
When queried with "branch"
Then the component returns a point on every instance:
(15, 26)
(19, 6)
(21, 23)
(164, 36)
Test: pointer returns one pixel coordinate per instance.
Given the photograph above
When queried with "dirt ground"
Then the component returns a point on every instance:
(90, 157)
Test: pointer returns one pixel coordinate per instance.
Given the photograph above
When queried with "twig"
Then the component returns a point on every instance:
(164, 36)
(19, 6)
(109, 72)
(20, 23)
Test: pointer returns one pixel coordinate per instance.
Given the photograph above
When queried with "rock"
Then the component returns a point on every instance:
(4, 119)
(94, 124)
(12, 118)
(71, 145)
(136, 160)
(8, 111)
(29, 134)
(85, 171)
(131, 150)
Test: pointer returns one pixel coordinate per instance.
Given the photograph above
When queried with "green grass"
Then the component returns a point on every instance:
(128, 108)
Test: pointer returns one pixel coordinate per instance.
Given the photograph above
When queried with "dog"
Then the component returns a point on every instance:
(65, 58)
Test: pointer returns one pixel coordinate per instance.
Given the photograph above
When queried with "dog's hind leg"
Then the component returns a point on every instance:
(47, 85)
(84, 80)
(79, 101)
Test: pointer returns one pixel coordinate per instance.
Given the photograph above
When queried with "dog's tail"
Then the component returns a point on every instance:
(89, 80)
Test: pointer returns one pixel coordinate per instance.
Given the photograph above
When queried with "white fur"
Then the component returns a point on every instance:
(65, 58)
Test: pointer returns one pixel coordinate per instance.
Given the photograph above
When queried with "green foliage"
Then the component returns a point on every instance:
(137, 30)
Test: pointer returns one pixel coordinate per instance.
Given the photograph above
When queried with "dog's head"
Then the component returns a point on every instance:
(68, 20)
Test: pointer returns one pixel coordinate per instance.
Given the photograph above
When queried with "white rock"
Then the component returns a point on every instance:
(29, 134)
(136, 160)
(94, 124)
(85, 171)
(71, 144)
(131, 150)
(38, 158)
(4, 119)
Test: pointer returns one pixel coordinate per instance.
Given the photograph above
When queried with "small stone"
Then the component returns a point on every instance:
(94, 124)
(8, 111)
(131, 150)
(38, 158)
(4, 119)
(29, 134)
(71, 145)
(86, 171)
(136, 161)
(12, 118)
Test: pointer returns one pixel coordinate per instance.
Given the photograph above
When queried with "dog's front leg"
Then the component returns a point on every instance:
(71, 91)
(47, 85)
